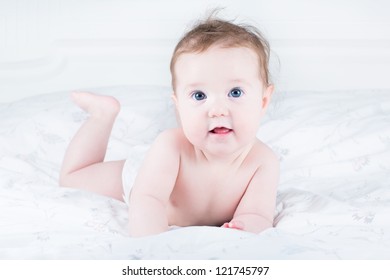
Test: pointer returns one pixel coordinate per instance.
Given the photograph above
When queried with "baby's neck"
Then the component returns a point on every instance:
(236, 158)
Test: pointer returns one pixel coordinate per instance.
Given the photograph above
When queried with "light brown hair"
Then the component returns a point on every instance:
(226, 34)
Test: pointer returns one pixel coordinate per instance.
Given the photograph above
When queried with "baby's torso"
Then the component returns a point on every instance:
(209, 193)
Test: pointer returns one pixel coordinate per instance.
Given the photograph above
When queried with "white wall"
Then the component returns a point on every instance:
(51, 45)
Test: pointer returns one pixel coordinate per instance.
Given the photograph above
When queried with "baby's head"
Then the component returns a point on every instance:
(221, 85)
(216, 32)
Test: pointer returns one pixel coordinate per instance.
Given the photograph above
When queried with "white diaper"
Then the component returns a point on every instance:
(130, 169)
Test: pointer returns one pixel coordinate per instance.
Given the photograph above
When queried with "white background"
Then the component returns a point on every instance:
(53, 45)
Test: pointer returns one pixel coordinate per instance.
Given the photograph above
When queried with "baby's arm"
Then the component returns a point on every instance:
(255, 212)
(153, 187)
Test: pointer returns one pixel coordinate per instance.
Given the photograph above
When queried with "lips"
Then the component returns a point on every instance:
(221, 130)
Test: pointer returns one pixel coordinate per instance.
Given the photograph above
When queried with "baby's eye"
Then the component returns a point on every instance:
(198, 95)
(235, 93)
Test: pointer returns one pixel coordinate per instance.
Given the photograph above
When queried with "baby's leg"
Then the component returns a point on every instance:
(83, 166)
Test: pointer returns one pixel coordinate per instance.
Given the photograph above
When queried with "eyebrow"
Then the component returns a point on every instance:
(239, 81)
(199, 85)
(232, 81)
(194, 86)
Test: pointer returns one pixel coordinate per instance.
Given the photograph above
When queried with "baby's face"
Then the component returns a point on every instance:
(220, 98)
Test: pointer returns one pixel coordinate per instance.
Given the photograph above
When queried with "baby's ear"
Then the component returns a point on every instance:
(267, 94)
(174, 98)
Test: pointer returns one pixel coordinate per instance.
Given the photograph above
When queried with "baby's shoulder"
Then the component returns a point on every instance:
(171, 138)
(166, 146)
(265, 154)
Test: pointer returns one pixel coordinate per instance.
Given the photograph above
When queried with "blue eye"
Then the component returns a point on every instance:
(235, 93)
(198, 95)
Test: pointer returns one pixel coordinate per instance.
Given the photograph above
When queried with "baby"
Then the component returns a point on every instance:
(211, 170)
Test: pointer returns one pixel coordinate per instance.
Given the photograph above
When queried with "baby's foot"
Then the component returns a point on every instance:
(100, 106)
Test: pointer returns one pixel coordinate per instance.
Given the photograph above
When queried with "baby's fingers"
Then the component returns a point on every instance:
(234, 224)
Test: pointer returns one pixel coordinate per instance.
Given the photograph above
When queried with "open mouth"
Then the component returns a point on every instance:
(221, 130)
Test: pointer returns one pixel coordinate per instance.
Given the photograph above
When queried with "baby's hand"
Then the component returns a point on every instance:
(234, 224)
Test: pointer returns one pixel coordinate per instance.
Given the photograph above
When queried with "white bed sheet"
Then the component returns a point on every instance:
(333, 199)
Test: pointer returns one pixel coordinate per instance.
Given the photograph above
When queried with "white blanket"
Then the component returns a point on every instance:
(333, 199)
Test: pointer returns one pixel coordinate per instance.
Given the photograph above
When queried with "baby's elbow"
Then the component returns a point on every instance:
(261, 224)
(64, 180)
(264, 226)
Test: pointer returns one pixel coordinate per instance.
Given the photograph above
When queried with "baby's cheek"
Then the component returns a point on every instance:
(248, 131)
(193, 128)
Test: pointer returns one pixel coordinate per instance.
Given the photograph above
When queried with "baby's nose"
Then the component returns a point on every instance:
(218, 110)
